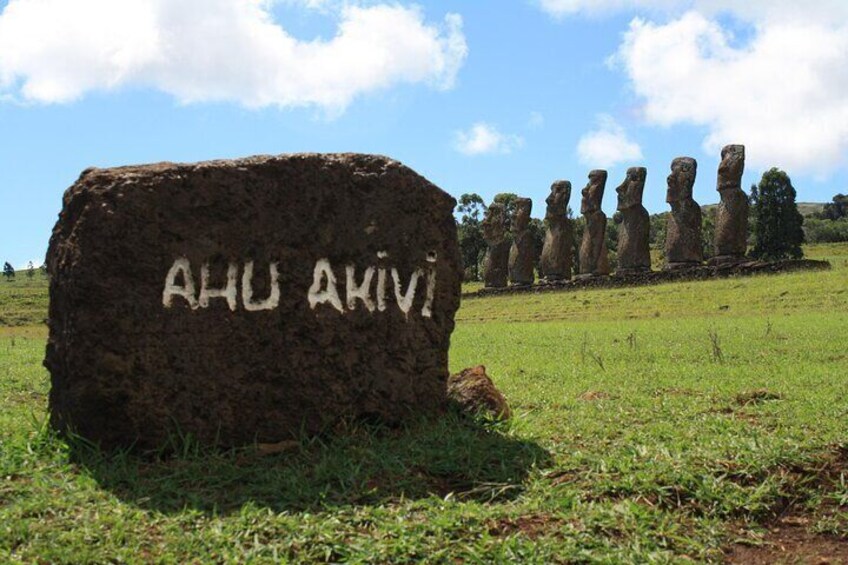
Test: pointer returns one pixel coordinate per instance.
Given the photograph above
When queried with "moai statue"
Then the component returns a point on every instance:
(496, 262)
(521, 255)
(683, 229)
(634, 248)
(731, 229)
(555, 263)
(593, 247)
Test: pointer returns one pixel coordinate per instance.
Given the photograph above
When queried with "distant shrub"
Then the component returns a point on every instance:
(826, 231)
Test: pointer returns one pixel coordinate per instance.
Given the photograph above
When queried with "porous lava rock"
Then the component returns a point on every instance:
(249, 300)
(474, 392)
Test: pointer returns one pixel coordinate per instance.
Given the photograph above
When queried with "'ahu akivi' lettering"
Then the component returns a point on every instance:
(349, 292)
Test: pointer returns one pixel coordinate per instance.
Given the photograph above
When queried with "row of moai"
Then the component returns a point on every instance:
(513, 263)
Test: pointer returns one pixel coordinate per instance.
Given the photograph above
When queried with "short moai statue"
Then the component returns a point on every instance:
(731, 229)
(555, 263)
(522, 253)
(683, 247)
(634, 250)
(593, 247)
(496, 262)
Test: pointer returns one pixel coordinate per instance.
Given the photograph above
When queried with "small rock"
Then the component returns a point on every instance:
(474, 392)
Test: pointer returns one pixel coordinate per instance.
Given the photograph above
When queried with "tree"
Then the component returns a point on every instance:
(835, 210)
(30, 270)
(472, 246)
(8, 271)
(777, 223)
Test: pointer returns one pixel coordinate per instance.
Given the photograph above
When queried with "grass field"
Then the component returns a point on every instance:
(671, 423)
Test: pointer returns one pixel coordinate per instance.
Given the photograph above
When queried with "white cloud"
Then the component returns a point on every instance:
(608, 145)
(220, 50)
(784, 95)
(536, 120)
(749, 10)
(783, 92)
(483, 138)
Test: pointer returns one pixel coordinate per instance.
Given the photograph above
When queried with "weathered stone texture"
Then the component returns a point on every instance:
(473, 391)
(731, 229)
(683, 246)
(634, 250)
(594, 259)
(496, 261)
(557, 251)
(249, 300)
(522, 260)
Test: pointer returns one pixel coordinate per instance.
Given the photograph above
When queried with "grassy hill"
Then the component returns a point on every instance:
(674, 423)
(806, 208)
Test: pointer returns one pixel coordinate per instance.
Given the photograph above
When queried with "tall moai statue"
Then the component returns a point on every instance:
(496, 262)
(683, 247)
(555, 263)
(731, 229)
(522, 253)
(634, 250)
(593, 247)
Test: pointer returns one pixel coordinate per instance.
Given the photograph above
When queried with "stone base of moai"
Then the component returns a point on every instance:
(692, 273)
(633, 271)
(679, 266)
(723, 260)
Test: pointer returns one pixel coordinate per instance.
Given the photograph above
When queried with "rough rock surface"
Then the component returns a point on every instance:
(731, 228)
(594, 257)
(496, 262)
(557, 251)
(522, 258)
(249, 300)
(474, 392)
(683, 246)
(634, 250)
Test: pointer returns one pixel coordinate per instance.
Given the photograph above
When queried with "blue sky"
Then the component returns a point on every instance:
(486, 97)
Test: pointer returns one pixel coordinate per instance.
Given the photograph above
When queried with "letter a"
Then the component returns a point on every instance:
(269, 303)
(316, 296)
(180, 267)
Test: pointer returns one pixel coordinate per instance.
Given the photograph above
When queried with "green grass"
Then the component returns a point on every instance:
(642, 433)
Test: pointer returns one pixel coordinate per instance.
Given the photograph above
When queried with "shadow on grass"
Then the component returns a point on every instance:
(452, 456)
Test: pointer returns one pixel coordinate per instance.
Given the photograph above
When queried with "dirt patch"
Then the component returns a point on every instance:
(790, 541)
(533, 526)
(757, 396)
(593, 395)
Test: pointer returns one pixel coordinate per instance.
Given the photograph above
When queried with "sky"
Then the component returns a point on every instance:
(485, 96)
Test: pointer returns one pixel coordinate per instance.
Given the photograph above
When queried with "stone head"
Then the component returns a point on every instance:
(557, 200)
(731, 168)
(682, 179)
(494, 224)
(630, 191)
(594, 192)
(523, 208)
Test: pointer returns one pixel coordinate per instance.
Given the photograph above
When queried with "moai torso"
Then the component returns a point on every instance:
(593, 247)
(634, 252)
(731, 230)
(683, 230)
(555, 263)
(521, 254)
(496, 262)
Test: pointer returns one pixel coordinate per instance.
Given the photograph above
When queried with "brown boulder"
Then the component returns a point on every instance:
(249, 300)
(474, 392)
